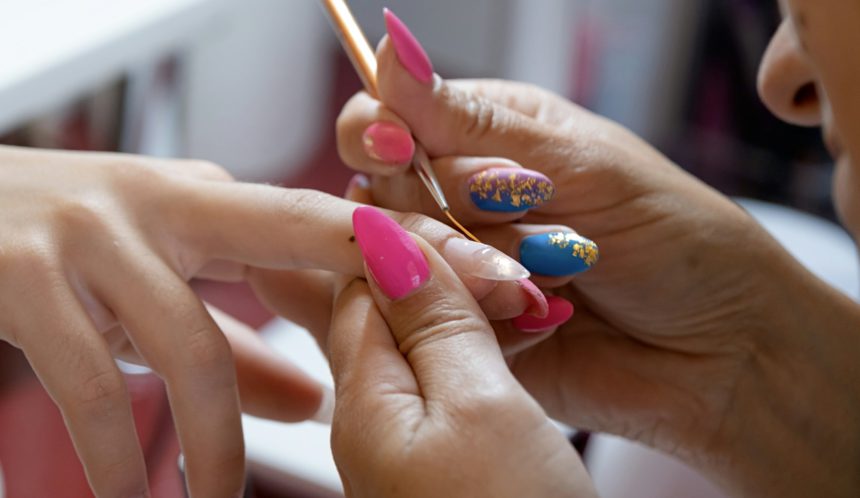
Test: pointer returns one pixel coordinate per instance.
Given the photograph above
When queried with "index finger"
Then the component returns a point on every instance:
(275, 228)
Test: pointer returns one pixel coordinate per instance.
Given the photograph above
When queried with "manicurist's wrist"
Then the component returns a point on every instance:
(793, 425)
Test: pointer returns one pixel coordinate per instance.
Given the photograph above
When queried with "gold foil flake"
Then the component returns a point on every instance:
(580, 247)
(516, 189)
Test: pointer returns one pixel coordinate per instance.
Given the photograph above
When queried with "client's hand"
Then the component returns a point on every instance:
(426, 406)
(681, 326)
(96, 253)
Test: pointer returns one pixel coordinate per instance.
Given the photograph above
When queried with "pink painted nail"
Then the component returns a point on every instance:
(389, 143)
(560, 311)
(410, 53)
(394, 259)
(539, 307)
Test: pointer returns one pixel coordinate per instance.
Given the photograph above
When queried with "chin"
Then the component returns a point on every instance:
(846, 195)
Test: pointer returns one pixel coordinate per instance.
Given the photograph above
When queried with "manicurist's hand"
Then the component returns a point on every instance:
(96, 253)
(689, 319)
(426, 405)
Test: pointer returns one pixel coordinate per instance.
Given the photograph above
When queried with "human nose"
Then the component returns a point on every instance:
(786, 80)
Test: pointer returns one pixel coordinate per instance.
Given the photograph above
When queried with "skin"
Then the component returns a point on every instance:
(815, 48)
(696, 333)
(97, 252)
(419, 389)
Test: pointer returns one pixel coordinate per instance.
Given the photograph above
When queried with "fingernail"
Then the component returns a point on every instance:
(510, 190)
(560, 311)
(388, 143)
(395, 261)
(409, 52)
(558, 254)
(325, 412)
(539, 307)
(482, 261)
(357, 182)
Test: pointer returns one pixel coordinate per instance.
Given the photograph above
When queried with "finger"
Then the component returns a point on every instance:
(358, 190)
(450, 121)
(437, 324)
(376, 389)
(525, 98)
(481, 191)
(554, 254)
(178, 168)
(313, 232)
(366, 364)
(270, 386)
(177, 338)
(74, 364)
(499, 301)
(192, 168)
(513, 341)
(371, 139)
(303, 297)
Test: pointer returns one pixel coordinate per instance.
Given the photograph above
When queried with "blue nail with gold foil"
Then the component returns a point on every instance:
(510, 190)
(558, 254)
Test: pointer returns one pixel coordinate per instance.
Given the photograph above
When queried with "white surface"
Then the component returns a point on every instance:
(295, 451)
(52, 51)
(622, 469)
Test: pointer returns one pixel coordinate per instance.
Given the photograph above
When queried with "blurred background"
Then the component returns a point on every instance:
(255, 85)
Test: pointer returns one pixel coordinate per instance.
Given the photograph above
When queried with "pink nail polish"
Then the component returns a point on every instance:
(410, 53)
(389, 143)
(539, 307)
(394, 259)
(560, 311)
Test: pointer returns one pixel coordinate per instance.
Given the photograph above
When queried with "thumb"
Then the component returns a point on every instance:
(446, 119)
(436, 323)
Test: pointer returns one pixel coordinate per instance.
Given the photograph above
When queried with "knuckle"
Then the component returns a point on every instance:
(32, 258)
(99, 393)
(205, 348)
(479, 117)
(135, 174)
(82, 217)
(300, 206)
(476, 116)
(423, 225)
(35, 268)
(435, 318)
(208, 170)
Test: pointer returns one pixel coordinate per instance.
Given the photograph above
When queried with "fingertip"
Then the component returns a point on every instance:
(325, 412)
(388, 143)
(560, 310)
(358, 189)
(410, 53)
(372, 139)
(393, 258)
(538, 303)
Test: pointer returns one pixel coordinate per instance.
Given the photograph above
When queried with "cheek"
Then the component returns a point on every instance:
(846, 192)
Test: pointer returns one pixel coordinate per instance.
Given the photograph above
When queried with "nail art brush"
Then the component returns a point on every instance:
(363, 60)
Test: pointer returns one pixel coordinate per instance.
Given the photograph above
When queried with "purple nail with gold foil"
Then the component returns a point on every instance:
(510, 190)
